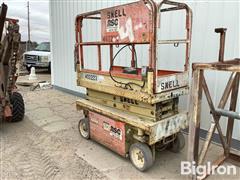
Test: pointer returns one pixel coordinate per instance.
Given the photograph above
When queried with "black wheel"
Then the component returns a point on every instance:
(84, 129)
(49, 67)
(178, 144)
(18, 108)
(141, 156)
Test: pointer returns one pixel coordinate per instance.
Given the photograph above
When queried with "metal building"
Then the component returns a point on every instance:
(207, 15)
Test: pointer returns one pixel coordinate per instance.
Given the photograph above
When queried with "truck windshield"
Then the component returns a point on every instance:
(43, 47)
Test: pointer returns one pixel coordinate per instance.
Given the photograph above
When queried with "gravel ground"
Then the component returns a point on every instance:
(47, 145)
(43, 145)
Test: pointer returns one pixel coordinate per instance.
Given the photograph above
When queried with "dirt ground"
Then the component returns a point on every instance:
(43, 145)
(47, 145)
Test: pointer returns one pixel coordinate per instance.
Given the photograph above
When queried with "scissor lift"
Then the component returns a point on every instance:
(132, 110)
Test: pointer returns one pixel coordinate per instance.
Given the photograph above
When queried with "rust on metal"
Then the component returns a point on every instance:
(9, 55)
(128, 25)
(2, 18)
(199, 85)
(143, 100)
(7, 112)
(222, 32)
(107, 131)
(156, 130)
(99, 58)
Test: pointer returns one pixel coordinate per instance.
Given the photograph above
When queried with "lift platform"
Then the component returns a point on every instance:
(129, 108)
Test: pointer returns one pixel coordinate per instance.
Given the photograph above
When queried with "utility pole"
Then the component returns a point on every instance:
(29, 38)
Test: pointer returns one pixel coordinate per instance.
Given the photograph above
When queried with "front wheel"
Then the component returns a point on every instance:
(84, 129)
(18, 108)
(141, 156)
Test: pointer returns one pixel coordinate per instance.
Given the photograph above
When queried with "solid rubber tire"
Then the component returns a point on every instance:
(147, 155)
(85, 122)
(178, 144)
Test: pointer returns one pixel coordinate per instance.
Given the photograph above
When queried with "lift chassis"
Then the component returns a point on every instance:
(133, 110)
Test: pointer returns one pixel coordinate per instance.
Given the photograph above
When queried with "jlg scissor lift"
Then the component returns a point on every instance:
(132, 110)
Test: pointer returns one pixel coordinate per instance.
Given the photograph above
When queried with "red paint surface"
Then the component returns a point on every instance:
(118, 72)
(137, 12)
(7, 112)
(103, 135)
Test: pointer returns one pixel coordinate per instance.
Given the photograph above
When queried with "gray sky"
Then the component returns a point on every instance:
(39, 17)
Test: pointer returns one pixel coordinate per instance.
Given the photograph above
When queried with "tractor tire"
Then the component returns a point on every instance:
(141, 156)
(84, 128)
(178, 144)
(18, 108)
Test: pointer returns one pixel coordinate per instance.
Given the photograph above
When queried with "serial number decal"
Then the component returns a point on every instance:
(92, 77)
(113, 19)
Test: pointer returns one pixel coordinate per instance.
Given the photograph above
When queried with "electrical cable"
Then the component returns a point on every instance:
(135, 54)
(119, 82)
(133, 49)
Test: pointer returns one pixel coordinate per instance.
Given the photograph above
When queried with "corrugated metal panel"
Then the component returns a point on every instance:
(206, 16)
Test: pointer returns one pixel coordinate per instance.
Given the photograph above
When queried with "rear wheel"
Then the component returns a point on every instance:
(178, 144)
(83, 127)
(18, 108)
(141, 156)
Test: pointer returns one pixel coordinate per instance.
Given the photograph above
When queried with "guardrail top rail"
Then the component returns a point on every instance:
(141, 23)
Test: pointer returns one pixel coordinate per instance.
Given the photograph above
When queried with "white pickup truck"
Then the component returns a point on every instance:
(40, 57)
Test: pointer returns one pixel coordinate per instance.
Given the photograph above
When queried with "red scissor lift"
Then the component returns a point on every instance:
(132, 110)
